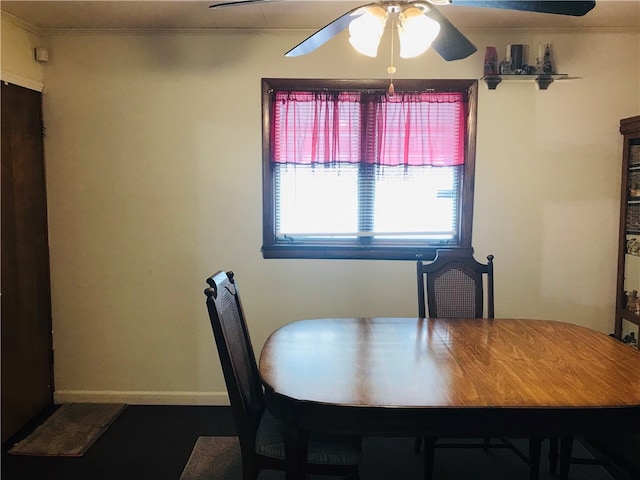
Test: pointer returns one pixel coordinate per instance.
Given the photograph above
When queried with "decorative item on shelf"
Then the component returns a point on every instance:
(634, 184)
(490, 61)
(630, 339)
(515, 61)
(548, 66)
(517, 58)
(634, 155)
(633, 217)
(633, 246)
(632, 303)
(505, 65)
(540, 59)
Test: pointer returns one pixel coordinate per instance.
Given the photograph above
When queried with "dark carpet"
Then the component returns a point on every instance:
(391, 458)
(156, 443)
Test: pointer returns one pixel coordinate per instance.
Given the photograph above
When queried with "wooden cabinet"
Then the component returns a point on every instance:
(628, 283)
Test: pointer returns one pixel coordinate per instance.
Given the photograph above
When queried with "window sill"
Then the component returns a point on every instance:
(353, 252)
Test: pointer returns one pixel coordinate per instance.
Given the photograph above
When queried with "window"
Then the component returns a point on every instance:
(350, 172)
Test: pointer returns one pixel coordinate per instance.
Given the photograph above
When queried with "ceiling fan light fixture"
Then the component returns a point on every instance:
(416, 31)
(366, 30)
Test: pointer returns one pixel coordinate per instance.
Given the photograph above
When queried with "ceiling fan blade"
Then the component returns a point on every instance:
(238, 2)
(327, 32)
(450, 43)
(576, 8)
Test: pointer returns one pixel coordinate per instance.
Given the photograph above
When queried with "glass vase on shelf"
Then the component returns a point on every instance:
(505, 65)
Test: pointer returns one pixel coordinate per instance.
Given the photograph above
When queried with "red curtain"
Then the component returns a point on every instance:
(408, 129)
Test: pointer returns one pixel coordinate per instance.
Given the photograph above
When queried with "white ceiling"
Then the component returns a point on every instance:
(287, 14)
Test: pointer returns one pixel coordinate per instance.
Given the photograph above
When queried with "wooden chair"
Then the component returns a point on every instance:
(455, 288)
(260, 434)
(454, 285)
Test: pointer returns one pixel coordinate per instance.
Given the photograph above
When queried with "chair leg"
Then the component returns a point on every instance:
(566, 445)
(534, 458)
(429, 453)
(250, 468)
(418, 443)
(553, 455)
(296, 443)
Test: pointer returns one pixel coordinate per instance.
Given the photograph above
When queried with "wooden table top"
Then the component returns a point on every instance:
(449, 363)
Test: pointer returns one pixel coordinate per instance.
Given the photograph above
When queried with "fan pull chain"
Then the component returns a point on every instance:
(391, 69)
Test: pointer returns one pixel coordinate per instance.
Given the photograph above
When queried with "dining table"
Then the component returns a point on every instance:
(448, 377)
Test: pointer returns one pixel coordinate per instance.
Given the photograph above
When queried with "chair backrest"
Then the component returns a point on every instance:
(454, 285)
(236, 356)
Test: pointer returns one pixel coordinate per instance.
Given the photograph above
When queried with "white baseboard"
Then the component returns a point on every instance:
(141, 398)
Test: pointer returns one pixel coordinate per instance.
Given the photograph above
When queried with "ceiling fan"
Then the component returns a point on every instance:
(447, 40)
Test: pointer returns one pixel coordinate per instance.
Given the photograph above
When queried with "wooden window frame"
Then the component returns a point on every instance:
(273, 248)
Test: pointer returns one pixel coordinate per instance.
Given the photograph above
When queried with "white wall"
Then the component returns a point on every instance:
(153, 154)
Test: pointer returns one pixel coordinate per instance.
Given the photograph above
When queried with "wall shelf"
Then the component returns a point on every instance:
(543, 80)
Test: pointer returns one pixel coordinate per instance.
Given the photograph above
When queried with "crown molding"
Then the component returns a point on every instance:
(207, 30)
(204, 30)
(20, 23)
(556, 30)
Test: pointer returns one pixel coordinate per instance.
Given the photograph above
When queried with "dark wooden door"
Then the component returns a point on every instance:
(27, 371)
